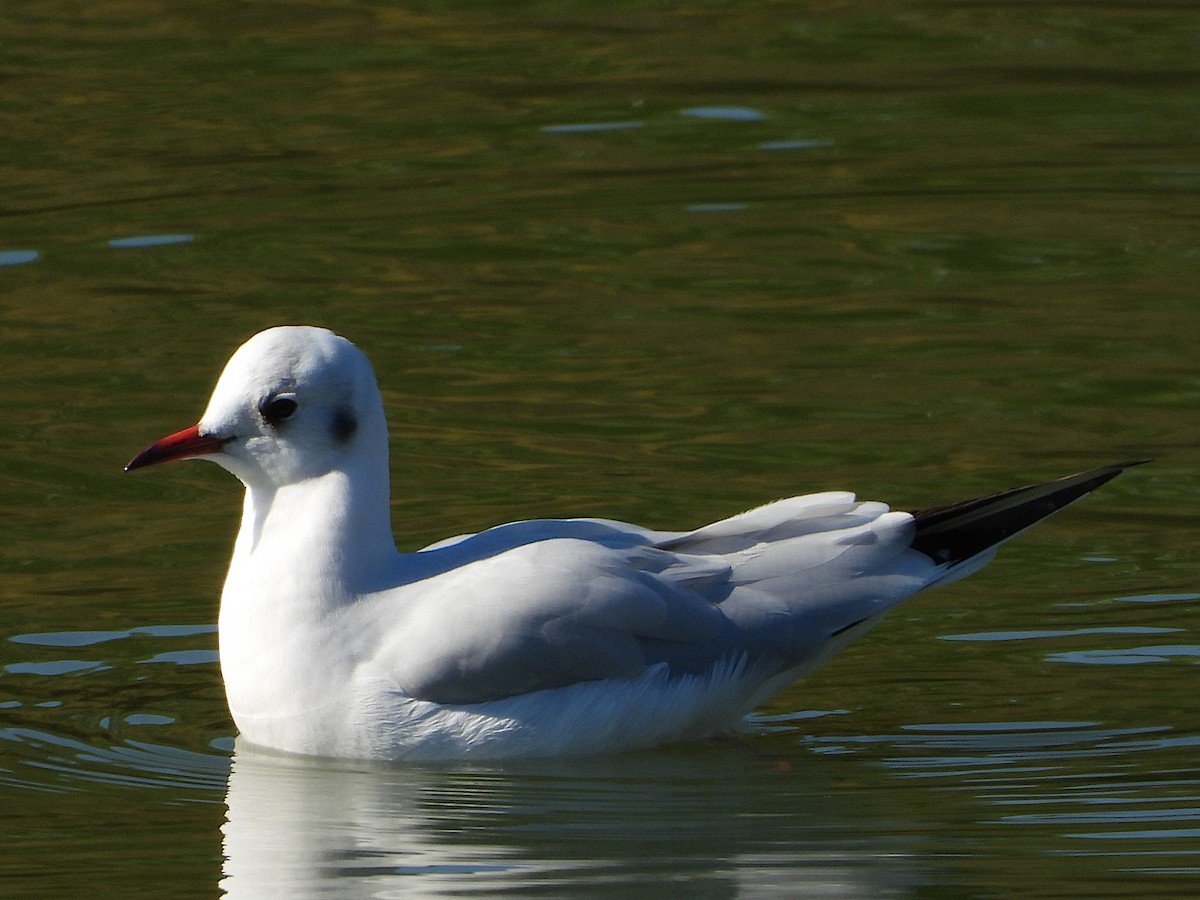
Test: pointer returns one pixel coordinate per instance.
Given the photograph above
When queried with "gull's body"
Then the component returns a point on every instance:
(536, 638)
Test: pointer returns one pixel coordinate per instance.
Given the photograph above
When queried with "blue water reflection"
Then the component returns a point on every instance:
(55, 762)
(588, 127)
(87, 638)
(1127, 656)
(151, 240)
(17, 257)
(798, 144)
(724, 113)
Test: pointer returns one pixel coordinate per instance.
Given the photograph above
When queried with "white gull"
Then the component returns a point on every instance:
(537, 638)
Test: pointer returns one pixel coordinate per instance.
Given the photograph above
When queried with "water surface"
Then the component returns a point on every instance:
(648, 262)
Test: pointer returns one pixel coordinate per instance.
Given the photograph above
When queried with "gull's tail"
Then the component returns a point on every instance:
(950, 535)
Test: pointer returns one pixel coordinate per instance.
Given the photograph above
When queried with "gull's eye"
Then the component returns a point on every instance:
(276, 409)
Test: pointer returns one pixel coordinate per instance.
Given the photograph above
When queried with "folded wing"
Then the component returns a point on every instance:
(591, 599)
(776, 590)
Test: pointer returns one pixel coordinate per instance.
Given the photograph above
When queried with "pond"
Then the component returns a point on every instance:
(651, 262)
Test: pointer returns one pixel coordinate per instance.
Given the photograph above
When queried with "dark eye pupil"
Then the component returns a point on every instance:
(278, 410)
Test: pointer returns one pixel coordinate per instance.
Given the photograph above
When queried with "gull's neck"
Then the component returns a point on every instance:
(305, 552)
(316, 544)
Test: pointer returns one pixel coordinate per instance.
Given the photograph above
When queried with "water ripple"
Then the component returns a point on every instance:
(590, 127)
(725, 113)
(17, 257)
(58, 763)
(1129, 656)
(151, 240)
(87, 638)
(1055, 633)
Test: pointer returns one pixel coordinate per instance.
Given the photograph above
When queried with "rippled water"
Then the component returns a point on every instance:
(648, 262)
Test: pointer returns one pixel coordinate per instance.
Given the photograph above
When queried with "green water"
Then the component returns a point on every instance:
(647, 261)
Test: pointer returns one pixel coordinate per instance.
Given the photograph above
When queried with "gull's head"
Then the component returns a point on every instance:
(293, 402)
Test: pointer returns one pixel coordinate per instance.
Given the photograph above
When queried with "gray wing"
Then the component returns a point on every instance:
(544, 604)
(547, 615)
(586, 599)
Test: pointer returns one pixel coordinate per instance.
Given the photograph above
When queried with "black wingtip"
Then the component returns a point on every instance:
(955, 533)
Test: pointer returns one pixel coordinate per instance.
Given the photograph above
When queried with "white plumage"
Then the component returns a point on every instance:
(535, 638)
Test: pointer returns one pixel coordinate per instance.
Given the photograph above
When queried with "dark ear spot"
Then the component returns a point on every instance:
(344, 425)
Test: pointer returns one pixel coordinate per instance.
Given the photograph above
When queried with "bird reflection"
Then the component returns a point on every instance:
(717, 820)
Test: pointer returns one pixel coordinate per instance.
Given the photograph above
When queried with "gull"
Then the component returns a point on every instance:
(553, 637)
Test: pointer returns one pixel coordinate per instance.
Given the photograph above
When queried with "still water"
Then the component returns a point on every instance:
(655, 262)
